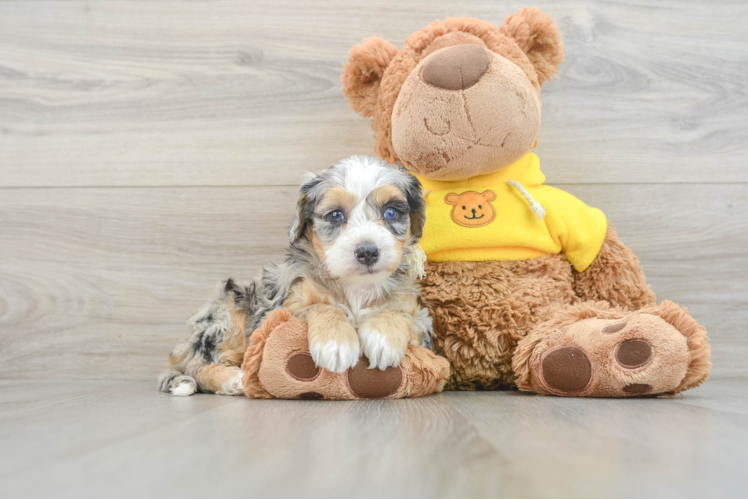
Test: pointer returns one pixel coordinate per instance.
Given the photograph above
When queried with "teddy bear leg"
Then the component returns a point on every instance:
(482, 309)
(278, 364)
(592, 349)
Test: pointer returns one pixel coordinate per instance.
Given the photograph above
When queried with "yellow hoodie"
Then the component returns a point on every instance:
(509, 215)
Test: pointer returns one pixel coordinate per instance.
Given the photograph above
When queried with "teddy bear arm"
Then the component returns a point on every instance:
(615, 276)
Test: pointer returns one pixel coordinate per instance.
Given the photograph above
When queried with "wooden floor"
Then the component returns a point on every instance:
(150, 149)
(124, 439)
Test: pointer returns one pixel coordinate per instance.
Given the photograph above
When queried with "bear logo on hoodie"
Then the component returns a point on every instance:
(472, 209)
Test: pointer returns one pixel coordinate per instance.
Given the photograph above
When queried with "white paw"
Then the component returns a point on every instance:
(187, 387)
(379, 350)
(233, 387)
(334, 357)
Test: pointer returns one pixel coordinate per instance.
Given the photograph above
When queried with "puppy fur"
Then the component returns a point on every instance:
(347, 273)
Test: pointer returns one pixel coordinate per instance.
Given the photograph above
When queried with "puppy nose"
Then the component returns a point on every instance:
(473, 211)
(456, 68)
(367, 254)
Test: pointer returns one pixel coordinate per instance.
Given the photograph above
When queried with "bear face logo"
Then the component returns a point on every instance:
(472, 209)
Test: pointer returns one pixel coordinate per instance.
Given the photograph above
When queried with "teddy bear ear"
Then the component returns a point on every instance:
(361, 76)
(537, 35)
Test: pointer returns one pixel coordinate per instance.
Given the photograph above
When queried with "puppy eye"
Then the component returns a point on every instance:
(463, 207)
(390, 214)
(480, 206)
(336, 216)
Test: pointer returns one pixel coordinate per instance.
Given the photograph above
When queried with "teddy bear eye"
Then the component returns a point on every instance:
(463, 207)
(480, 206)
(336, 216)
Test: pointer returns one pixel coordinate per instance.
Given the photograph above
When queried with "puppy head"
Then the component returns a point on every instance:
(360, 216)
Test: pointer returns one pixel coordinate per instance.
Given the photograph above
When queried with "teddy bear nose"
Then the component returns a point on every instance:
(456, 68)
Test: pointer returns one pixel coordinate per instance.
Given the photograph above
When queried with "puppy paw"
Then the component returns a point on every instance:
(183, 386)
(233, 386)
(333, 342)
(382, 351)
(333, 356)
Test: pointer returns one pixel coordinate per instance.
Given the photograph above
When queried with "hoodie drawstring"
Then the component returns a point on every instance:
(535, 207)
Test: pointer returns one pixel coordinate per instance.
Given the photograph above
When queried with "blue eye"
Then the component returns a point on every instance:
(336, 216)
(390, 214)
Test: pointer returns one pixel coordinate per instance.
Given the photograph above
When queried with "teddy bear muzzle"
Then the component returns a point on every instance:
(447, 122)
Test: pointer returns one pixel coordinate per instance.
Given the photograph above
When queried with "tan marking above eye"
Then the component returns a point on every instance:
(339, 198)
(385, 194)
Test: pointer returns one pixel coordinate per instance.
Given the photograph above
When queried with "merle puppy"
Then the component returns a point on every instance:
(349, 273)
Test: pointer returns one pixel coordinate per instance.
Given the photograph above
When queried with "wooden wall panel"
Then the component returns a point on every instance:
(164, 93)
(99, 282)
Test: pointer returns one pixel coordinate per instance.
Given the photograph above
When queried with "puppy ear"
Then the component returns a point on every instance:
(537, 35)
(362, 74)
(414, 196)
(304, 207)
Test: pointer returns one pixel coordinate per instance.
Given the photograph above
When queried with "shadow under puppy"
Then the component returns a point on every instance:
(349, 273)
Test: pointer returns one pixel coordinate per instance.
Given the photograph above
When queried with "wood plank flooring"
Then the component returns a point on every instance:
(125, 439)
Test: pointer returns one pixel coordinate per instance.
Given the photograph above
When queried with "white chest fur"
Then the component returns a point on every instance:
(362, 301)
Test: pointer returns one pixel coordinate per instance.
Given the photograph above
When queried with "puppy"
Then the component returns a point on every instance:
(349, 273)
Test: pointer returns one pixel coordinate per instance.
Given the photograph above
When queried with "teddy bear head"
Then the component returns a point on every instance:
(461, 98)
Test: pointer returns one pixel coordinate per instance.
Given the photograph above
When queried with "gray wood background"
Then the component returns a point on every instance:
(149, 149)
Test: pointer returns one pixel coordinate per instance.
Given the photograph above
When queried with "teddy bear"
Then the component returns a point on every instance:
(528, 286)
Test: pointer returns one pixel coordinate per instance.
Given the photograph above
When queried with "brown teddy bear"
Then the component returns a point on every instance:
(527, 285)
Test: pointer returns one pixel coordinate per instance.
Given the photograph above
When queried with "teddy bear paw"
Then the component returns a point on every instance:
(648, 353)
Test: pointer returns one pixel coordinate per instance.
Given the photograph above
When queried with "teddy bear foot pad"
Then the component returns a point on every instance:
(612, 353)
(362, 382)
